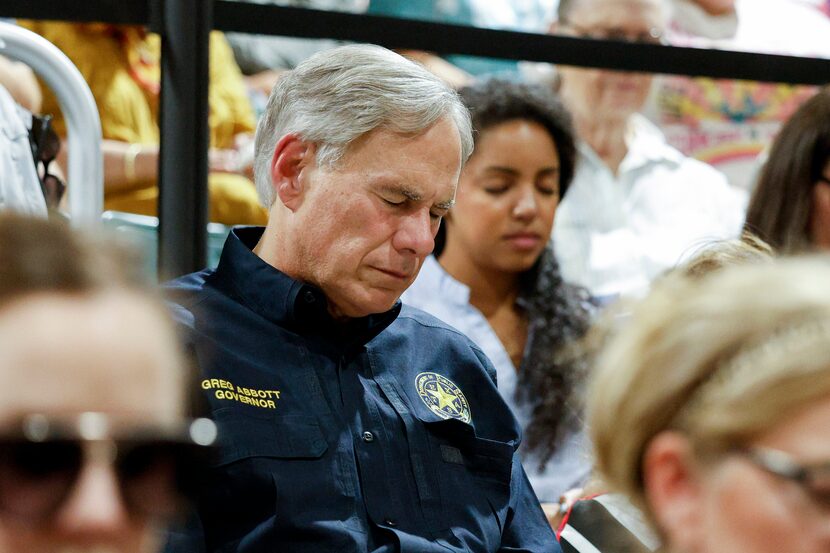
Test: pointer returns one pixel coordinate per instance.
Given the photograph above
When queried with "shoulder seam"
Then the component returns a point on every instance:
(447, 328)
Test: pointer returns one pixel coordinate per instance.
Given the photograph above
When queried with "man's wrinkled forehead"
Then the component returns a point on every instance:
(365, 137)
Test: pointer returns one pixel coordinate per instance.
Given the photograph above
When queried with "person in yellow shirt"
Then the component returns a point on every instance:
(121, 66)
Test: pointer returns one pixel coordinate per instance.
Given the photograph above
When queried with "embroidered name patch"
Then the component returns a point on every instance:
(442, 396)
(224, 389)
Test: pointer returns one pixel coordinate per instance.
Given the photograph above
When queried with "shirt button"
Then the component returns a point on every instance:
(309, 296)
(368, 437)
(389, 522)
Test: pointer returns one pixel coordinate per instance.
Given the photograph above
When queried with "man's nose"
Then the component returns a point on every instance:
(415, 234)
(94, 512)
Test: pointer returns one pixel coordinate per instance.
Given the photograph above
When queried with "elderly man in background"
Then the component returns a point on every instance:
(353, 424)
(636, 205)
(95, 451)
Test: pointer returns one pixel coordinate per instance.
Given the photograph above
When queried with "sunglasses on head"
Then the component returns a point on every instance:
(158, 468)
(45, 147)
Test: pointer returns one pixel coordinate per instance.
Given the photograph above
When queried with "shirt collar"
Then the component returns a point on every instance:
(439, 279)
(646, 144)
(289, 303)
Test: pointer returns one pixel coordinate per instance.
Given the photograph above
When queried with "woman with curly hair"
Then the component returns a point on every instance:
(493, 274)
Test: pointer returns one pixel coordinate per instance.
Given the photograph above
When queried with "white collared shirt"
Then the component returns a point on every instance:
(440, 295)
(614, 233)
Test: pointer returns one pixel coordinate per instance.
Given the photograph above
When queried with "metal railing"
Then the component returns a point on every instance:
(184, 25)
(86, 162)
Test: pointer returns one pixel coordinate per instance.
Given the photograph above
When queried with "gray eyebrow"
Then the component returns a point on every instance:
(445, 205)
(413, 196)
(409, 194)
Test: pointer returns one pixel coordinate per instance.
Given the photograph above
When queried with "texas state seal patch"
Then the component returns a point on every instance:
(442, 396)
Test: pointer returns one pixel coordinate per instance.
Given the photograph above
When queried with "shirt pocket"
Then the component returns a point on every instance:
(265, 464)
(243, 436)
(474, 481)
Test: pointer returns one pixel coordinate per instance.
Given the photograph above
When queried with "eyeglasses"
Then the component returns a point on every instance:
(813, 479)
(651, 36)
(158, 468)
(45, 147)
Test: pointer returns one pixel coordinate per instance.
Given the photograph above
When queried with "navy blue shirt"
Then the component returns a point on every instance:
(386, 433)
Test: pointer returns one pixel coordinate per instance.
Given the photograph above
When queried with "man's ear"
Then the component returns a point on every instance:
(673, 488)
(291, 156)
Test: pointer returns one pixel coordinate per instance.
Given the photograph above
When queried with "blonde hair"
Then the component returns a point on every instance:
(721, 359)
(748, 249)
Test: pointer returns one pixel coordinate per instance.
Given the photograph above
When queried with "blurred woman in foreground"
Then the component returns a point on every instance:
(96, 453)
(710, 409)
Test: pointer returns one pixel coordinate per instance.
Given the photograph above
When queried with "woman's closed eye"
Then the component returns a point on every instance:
(496, 187)
(547, 181)
(547, 189)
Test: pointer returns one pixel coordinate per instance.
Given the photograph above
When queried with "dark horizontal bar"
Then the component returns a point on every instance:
(453, 39)
(458, 39)
(125, 12)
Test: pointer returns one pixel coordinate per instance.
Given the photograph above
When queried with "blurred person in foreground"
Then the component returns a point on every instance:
(95, 451)
(608, 522)
(494, 276)
(354, 424)
(710, 409)
(636, 204)
(790, 206)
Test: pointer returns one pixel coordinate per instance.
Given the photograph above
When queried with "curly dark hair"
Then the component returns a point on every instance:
(551, 374)
(554, 368)
(497, 101)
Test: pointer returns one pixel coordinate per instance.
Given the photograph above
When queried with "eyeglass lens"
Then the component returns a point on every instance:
(37, 478)
(651, 36)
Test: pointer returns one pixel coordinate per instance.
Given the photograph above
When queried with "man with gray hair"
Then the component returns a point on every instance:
(351, 423)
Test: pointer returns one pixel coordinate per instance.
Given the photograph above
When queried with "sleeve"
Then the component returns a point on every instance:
(527, 529)
(488, 366)
(187, 538)
(50, 104)
(255, 53)
(248, 53)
